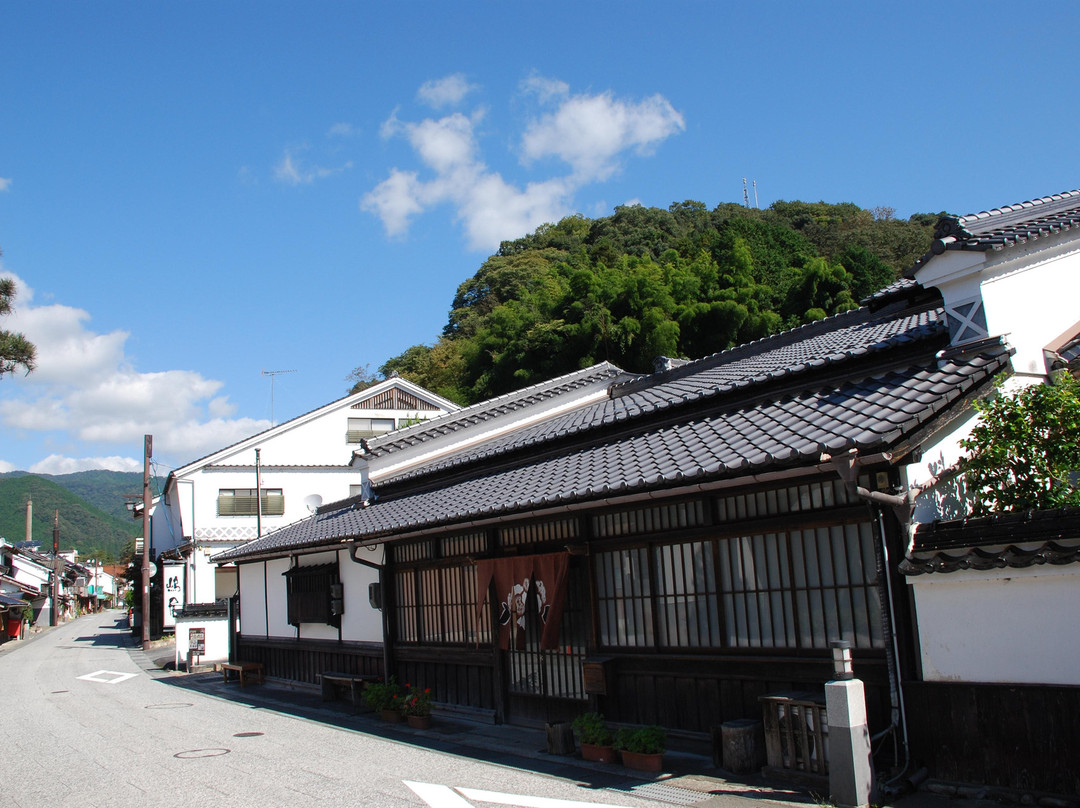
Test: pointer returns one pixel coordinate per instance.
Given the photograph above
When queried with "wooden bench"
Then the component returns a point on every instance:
(354, 681)
(242, 669)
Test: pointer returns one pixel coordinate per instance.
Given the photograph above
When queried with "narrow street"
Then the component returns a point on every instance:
(88, 722)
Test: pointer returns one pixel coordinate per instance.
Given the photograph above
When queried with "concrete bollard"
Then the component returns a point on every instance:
(851, 773)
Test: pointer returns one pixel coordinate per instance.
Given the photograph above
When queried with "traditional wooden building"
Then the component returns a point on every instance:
(669, 548)
(712, 548)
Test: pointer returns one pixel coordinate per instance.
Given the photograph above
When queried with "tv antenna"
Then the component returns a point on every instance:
(272, 374)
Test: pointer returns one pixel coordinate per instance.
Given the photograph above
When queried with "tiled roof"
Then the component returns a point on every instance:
(864, 381)
(492, 408)
(774, 361)
(1005, 227)
(1015, 540)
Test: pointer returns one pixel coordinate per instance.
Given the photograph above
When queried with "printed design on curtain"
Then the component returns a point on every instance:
(515, 577)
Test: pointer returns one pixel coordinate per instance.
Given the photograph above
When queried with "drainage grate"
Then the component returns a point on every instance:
(173, 705)
(663, 793)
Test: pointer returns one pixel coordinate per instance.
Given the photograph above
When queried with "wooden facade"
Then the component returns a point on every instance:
(1016, 737)
(686, 611)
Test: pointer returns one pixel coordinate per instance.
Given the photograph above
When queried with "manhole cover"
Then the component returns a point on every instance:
(201, 753)
(176, 705)
(246, 734)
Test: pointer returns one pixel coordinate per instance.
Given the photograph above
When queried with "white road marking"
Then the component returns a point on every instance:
(445, 797)
(526, 801)
(437, 796)
(107, 677)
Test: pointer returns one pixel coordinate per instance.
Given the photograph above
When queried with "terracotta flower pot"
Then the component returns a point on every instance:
(390, 716)
(420, 721)
(598, 754)
(643, 761)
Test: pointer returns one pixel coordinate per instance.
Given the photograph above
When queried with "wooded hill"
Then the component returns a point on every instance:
(93, 518)
(646, 282)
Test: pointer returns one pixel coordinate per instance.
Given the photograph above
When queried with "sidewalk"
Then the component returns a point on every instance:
(689, 779)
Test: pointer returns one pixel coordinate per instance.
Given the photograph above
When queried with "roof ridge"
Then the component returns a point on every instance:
(414, 431)
(781, 339)
(958, 226)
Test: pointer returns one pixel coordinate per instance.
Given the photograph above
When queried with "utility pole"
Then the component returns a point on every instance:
(57, 566)
(258, 496)
(148, 451)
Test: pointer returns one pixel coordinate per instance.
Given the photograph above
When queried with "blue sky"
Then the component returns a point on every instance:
(194, 193)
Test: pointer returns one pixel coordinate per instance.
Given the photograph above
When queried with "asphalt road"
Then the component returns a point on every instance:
(87, 722)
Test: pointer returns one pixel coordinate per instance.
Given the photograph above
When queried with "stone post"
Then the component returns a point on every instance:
(851, 773)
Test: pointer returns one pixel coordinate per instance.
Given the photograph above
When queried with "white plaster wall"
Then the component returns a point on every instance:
(217, 637)
(948, 499)
(360, 623)
(278, 616)
(1008, 626)
(1024, 289)
(165, 530)
(252, 599)
(332, 484)
(1027, 298)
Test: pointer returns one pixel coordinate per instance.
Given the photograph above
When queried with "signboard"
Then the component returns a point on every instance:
(173, 602)
(197, 641)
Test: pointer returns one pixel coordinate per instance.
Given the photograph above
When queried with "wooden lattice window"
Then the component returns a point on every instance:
(437, 605)
(798, 589)
(311, 593)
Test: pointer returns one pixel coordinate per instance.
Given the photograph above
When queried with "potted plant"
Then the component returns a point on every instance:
(595, 738)
(385, 699)
(418, 707)
(642, 748)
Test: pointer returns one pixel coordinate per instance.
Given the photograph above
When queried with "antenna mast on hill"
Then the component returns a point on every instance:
(272, 374)
(745, 195)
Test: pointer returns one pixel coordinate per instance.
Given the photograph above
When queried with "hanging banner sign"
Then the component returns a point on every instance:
(173, 602)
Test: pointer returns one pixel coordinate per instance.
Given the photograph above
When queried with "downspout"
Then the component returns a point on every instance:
(381, 568)
(903, 507)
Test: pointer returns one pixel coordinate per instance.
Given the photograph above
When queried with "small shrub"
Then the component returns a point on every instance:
(384, 695)
(592, 729)
(644, 740)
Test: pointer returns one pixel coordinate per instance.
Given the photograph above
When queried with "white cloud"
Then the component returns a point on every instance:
(545, 89)
(343, 129)
(5, 183)
(6, 467)
(445, 92)
(84, 390)
(58, 464)
(395, 200)
(589, 133)
(293, 170)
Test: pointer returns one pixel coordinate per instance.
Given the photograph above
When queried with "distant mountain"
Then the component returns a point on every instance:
(105, 490)
(91, 505)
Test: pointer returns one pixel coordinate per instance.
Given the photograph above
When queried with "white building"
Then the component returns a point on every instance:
(210, 505)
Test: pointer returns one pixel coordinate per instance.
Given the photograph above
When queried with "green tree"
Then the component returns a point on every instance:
(1025, 451)
(15, 350)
